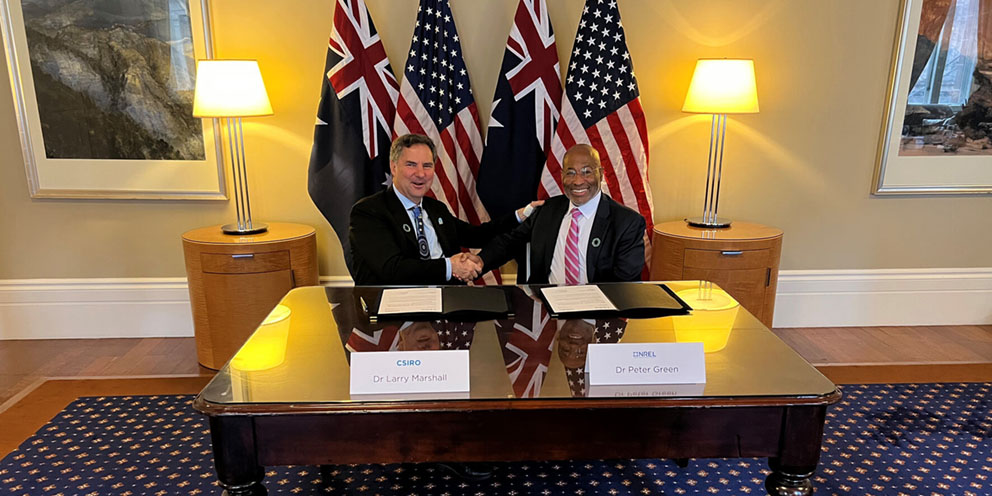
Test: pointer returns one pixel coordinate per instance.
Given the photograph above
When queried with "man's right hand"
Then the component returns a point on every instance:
(466, 266)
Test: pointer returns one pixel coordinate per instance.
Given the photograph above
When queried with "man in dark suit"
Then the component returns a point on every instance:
(580, 237)
(401, 236)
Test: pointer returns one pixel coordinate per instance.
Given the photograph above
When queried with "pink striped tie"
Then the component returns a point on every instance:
(572, 250)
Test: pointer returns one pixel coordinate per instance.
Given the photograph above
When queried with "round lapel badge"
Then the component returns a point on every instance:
(406, 227)
(595, 242)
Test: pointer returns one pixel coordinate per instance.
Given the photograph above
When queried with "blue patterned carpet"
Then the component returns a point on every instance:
(898, 439)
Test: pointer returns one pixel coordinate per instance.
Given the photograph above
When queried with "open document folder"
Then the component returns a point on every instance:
(622, 299)
(463, 303)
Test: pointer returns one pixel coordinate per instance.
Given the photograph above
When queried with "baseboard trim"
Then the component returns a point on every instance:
(95, 308)
(336, 281)
(159, 307)
(884, 297)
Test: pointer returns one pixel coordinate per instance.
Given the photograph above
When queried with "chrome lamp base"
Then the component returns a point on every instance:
(712, 222)
(257, 227)
(239, 174)
(714, 173)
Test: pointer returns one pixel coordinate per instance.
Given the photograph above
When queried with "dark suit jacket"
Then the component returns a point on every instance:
(384, 252)
(618, 255)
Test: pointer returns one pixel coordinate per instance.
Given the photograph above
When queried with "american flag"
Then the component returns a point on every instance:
(454, 335)
(358, 98)
(436, 100)
(602, 107)
(527, 340)
(525, 111)
(606, 331)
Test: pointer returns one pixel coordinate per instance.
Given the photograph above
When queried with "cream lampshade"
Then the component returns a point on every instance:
(232, 89)
(719, 87)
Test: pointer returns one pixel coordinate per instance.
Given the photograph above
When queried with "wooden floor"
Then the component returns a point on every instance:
(891, 345)
(24, 363)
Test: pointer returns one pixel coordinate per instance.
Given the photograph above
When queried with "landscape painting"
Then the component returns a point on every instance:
(949, 108)
(104, 91)
(937, 136)
(114, 78)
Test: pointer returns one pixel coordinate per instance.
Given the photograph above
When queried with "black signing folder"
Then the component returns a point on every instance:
(458, 303)
(632, 299)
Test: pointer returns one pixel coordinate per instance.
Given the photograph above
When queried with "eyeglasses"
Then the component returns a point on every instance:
(586, 172)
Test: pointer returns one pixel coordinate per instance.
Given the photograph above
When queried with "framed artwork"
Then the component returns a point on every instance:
(937, 134)
(103, 91)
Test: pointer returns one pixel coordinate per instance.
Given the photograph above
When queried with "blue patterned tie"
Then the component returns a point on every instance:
(425, 251)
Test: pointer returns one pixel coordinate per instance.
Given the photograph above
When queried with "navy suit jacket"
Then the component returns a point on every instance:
(384, 240)
(615, 251)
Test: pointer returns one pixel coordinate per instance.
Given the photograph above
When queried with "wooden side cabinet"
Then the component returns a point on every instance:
(234, 281)
(742, 259)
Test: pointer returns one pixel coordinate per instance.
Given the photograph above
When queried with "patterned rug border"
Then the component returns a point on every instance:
(31, 409)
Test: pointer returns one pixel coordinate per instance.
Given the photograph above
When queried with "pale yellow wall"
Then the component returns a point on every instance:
(803, 164)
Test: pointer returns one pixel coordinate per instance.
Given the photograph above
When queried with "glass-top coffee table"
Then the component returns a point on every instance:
(284, 397)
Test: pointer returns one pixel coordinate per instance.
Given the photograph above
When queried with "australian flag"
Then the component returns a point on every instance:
(350, 155)
(526, 338)
(525, 111)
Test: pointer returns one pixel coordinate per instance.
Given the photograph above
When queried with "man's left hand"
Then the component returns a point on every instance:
(526, 210)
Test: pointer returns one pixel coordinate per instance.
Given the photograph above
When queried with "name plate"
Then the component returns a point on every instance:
(646, 363)
(439, 371)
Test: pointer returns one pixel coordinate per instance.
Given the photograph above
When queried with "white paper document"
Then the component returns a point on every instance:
(585, 298)
(410, 300)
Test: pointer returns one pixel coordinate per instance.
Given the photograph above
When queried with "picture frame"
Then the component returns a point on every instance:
(913, 165)
(116, 92)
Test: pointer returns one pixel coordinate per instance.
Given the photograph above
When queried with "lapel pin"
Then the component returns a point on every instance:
(440, 221)
(406, 227)
(595, 242)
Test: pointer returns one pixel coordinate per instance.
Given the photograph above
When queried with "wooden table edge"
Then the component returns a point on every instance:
(447, 406)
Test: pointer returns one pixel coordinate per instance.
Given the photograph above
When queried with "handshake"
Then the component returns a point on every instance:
(466, 266)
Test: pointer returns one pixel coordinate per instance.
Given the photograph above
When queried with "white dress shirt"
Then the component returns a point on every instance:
(431, 236)
(585, 221)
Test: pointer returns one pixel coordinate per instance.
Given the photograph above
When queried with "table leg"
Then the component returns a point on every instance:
(237, 467)
(799, 452)
(789, 481)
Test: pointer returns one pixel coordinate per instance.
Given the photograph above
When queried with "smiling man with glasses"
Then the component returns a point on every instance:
(580, 237)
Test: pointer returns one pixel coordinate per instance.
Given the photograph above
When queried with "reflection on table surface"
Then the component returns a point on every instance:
(301, 352)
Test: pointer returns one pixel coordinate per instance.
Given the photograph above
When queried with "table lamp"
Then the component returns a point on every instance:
(232, 89)
(719, 87)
